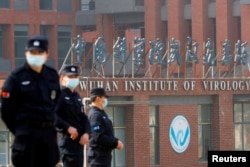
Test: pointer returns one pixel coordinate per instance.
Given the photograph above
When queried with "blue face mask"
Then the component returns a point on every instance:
(72, 82)
(35, 60)
(105, 103)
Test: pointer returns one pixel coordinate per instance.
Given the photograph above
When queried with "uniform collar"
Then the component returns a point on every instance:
(43, 71)
(98, 109)
(67, 90)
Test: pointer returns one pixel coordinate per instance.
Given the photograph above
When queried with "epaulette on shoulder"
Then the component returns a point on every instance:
(51, 69)
(18, 70)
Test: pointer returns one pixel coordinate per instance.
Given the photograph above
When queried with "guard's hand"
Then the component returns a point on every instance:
(73, 132)
(119, 145)
(84, 139)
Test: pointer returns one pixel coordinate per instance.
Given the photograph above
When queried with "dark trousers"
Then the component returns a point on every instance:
(72, 160)
(99, 158)
(35, 148)
(71, 152)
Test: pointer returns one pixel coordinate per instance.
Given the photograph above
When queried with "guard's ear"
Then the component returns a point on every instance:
(62, 80)
(98, 98)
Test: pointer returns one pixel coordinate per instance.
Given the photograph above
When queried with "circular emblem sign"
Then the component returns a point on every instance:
(179, 133)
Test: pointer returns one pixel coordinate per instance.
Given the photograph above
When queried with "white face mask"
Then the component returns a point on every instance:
(35, 60)
(105, 103)
(72, 82)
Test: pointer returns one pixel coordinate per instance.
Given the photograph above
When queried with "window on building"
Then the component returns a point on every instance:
(92, 5)
(46, 4)
(204, 131)
(1, 42)
(242, 126)
(5, 4)
(64, 44)
(21, 5)
(5, 62)
(164, 2)
(117, 116)
(45, 31)
(214, 34)
(4, 148)
(187, 2)
(139, 2)
(84, 5)
(64, 5)
(154, 134)
(21, 37)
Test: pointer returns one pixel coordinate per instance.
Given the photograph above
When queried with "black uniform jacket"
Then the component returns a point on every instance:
(29, 96)
(70, 113)
(102, 132)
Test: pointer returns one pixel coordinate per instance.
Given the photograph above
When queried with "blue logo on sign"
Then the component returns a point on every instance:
(179, 134)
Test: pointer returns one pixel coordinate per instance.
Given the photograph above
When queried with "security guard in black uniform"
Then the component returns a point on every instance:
(28, 100)
(72, 121)
(102, 139)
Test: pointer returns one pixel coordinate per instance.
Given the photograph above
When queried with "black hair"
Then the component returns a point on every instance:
(92, 98)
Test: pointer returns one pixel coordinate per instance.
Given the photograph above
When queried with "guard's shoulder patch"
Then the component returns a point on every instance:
(96, 128)
(67, 98)
(5, 94)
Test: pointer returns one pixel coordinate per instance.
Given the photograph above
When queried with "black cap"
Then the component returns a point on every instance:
(98, 92)
(69, 70)
(39, 43)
